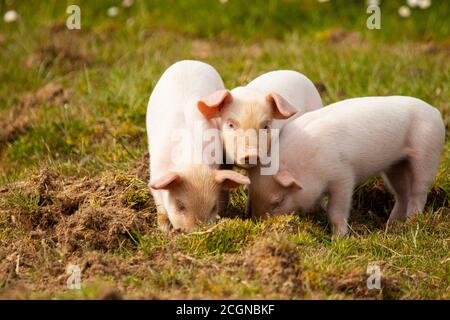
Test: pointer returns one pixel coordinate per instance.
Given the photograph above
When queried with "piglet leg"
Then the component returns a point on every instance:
(398, 180)
(161, 214)
(339, 204)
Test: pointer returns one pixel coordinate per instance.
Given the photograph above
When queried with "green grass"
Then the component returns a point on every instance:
(110, 68)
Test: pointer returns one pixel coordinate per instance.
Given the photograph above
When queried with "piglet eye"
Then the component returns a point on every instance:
(266, 126)
(181, 206)
(277, 202)
(231, 124)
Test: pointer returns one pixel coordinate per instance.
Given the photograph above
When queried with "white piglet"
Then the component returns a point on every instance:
(331, 150)
(187, 191)
(265, 103)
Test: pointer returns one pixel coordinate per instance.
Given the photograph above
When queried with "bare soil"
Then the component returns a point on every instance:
(17, 120)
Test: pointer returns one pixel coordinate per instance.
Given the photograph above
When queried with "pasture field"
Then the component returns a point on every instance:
(74, 166)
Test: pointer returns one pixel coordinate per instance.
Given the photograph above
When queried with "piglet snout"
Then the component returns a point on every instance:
(249, 160)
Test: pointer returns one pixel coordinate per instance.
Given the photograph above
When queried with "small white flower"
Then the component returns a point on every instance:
(127, 3)
(10, 16)
(322, 1)
(223, 1)
(113, 11)
(373, 2)
(413, 3)
(404, 11)
(424, 4)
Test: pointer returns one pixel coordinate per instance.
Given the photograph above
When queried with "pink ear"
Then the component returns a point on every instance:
(287, 180)
(231, 179)
(166, 182)
(211, 105)
(282, 109)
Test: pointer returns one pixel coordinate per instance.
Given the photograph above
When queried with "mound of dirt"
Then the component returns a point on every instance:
(17, 120)
(274, 262)
(53, 94)
(94, 264)
(13, 123)
(101, 213)
(356, 285)
(344, 38)
(431, 47)
(66, 47)
(372, 204)
(142, 167)
(52, 220)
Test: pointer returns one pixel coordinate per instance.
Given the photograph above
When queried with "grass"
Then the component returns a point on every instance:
(94, 143)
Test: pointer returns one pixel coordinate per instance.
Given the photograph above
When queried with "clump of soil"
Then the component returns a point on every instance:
(373, 203)
(95, 263)
(110, 294)
(437, 197)
(100, 213)
(142, 167)
(276, 263)
(17, 120)
(370, 207)
(431, 47)
(51, 220)
(51, 94)
(344, 37)
(13, 123)
(65, 47)
(356, 285)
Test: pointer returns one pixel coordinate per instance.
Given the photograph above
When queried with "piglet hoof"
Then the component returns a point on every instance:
(163, 223)
(396, 219)
(413, 214)
(339, 232)
(335, 237)
(394, 224)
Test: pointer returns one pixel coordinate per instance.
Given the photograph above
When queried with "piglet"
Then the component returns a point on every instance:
(329, 151)
(263, 104)
(187, 189)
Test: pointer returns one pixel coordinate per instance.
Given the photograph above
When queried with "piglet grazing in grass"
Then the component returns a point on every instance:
(329, 151)
(187, 189)
(261, 105)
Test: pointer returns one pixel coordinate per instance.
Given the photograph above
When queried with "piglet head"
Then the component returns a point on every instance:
(246, 117)
(272, 195)
(193, 195)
